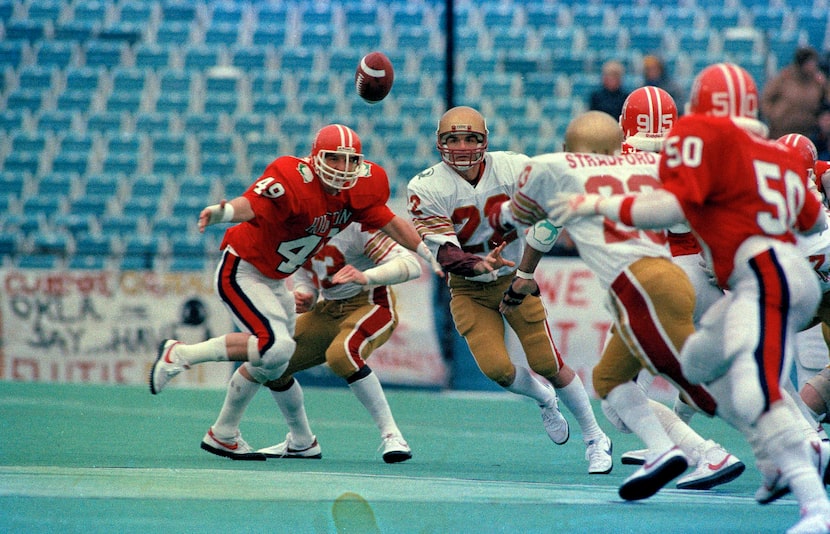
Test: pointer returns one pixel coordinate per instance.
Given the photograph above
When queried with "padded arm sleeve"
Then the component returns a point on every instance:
(653, 209)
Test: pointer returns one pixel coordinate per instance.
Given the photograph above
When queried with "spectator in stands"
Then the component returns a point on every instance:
(822, 137)
(611, 95)
(654, 73)
(791, 99)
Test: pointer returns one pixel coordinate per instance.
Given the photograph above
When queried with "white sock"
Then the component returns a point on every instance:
(212, 350)
(575, 398)
(292, 405)
(689, 441)
(632, 407)
(526, 384)
(239, 395)
(370, 393)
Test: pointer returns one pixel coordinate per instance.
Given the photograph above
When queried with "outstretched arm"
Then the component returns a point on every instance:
(237, 210)
(404, 233)
(651, 209)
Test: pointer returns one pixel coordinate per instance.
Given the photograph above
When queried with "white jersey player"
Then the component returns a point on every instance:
(456, 207)
(649, 297)
(356, 315)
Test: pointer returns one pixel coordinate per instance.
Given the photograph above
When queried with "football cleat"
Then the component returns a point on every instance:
(656, 472)
(817, 523)
(166, 366)
(395, 449)
(555, 423)
(715, 467)
(288, 449)
(772, 488)
(598, 453)
(234, 448)
(635, 457)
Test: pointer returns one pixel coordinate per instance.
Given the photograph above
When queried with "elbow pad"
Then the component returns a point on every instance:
(401, 269)
(542, 235)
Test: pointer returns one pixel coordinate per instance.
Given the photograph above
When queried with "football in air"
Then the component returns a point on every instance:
(373, 77)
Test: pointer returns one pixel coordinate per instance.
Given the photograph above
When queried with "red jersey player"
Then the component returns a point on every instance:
(284, 218)
(742, 195)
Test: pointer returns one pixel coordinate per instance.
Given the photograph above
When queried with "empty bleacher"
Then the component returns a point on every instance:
(125, 117)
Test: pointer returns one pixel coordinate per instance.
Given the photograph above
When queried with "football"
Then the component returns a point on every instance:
(373, 77)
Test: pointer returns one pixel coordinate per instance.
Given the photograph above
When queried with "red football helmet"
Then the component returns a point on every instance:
(805, 148)
(454, 126)
(342, 141)
(724, 90)
(647, 116)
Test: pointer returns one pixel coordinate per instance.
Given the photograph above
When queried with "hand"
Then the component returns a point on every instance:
(348, 274)
(303, 302)
(222, 212)
(493, 260)
(423, 251)
(566, 206)
(516, 293)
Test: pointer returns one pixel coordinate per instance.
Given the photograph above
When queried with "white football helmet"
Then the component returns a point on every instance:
(340, 140)
(647, 116)
(455, 125)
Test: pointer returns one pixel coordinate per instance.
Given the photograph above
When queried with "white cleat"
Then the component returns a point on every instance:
(598, 454)
(772, 488)
(635, 457)
(715, 467)
(395, 449)
(289, 449)
(166, 366)
(657, 471)
(234, 448)
(817, 523)
(555, 423)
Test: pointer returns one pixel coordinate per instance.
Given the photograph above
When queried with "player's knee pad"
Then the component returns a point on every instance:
(271, 364)
(612, 416)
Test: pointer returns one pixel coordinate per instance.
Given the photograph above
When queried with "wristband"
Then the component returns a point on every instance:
(220, 213)
(523, 275)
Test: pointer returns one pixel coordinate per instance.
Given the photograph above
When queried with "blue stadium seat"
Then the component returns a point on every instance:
(719, 19)
(186, 264)
(215, 143)
(267, 82)
(269, 34)
(93, 12)
(169, 163)
(104, 122)
(173, 102)
(782, 47)
(11, 119)
(10, 245)
(361, 14)
(147, 186)
(269, 104)
(408, 15)
(188, 207)
(29, 30)
(221, 83)
(11, 52)
(346, 60)
(71, 162)
(178, 10)
(693, 40)
(589, 15)
(93, 245)
(120, 226)
(174, 80)
(769, 19)
(120, 163)
(604, 40)
(124, 143)
(81, 78)
(480, 63)
(569, 62)
(134, 11)
(813, 22)
(124, 101)
(510, 40)
(173, 33)
(45, 10)
(88, 262)
(187, 245)
(128, 79)
(104, 54)
(365, 37)
(497, 15)
(318, 104)
(316, 14)
(152, 55)
(28, 141)
(101, 185)
(80, 101)
(296, 59)
(74, 141)
(40, 205)
(413, 38)
(539, 85)
(58, 54)
(739, 42)
(38, 261)
(137, 263)
(90, 204)
(74, 30)
(195, 186)
(12, 183)
(22, 162)
(73, 224)
(58, 183)
(270, 146)
(201, 56)
(511, 109)
(250, 125)
(35, 77)
(497, 85)
(222, 33)
(633, 16)
(153, 122)
(202, 122)
(646, 40)
(218, 165)
(226, 12)
(169, 143)
(140, 207)
(542, 16)
(253, 57)
(26, 223)
(172, 225)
